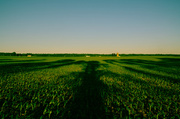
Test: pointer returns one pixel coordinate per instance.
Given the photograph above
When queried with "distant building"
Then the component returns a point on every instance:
(118, 55)
(28, 55)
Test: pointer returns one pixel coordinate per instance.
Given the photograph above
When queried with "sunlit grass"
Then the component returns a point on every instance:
(53, 87)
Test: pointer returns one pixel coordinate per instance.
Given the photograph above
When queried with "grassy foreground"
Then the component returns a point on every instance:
(90, 87)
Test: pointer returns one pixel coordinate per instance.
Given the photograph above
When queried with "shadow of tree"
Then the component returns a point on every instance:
(164, 62)
(88, 99)
(166, 78)
(26, 67)
(89, 92)
(124, 92)
(88, 102)
(22, 93)
(165, 65)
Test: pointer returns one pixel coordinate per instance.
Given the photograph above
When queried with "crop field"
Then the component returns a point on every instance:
(90, 87)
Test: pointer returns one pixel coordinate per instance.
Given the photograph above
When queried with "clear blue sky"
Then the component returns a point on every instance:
(90, 26)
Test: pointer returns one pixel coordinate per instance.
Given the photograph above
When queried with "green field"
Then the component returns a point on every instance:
(90, 87)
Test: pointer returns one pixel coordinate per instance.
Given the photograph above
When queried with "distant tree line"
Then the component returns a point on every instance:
(79, 55)
(113, 54)
(70, 55)
(51, 55)
(8, 54)
(149, 54)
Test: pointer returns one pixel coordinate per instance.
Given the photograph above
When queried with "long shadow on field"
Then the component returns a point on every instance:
(88, 101)
(152, 91)
(26, 67)
(130, 78)
(166, 65)
(174, 80)
(164, 62)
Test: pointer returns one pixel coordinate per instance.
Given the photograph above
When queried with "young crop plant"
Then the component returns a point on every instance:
(129, 87)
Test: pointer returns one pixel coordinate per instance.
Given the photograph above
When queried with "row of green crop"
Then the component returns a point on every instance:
(141, 95)
(51, 92)
(37, 94)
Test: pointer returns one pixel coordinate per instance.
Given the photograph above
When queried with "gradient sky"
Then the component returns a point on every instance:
(90, 26)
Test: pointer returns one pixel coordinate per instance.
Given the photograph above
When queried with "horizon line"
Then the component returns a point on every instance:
(97, 53)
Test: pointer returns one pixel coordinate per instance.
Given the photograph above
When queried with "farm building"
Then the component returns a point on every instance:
(118, 55)
(28, 55)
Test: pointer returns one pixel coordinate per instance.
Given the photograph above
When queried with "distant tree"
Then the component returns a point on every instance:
(19, 54)
(113, 54)
(14, 54)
